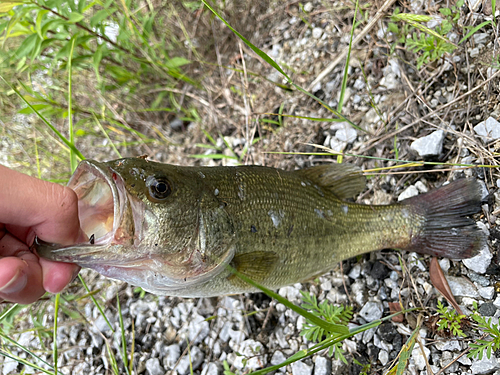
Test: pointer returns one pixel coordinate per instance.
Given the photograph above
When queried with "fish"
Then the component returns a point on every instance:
(174, 230)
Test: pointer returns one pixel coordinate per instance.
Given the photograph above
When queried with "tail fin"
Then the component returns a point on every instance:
(447, 232)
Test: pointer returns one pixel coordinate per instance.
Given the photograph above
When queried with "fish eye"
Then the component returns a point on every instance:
(159, 188)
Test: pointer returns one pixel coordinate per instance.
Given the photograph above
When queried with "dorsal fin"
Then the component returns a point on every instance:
(344, 180)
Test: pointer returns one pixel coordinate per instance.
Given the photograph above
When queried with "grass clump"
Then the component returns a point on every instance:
(82, 63)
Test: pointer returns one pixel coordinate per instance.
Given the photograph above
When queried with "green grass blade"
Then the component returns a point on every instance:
(37, 156)
(320, 119)
(210, 138)
(112, 359)
(213, 156)
(335, 112)
(262, 54)
(132, 349)
(405, 162)
(406, 352)
(23, 348)
(72, 155)
(25, 362)
(124, 340)
(474, 30)
(96, 303)
(57, 132)
(346, 69)
(56, 313)
(8, 311)
(106, 135)
(493, 10)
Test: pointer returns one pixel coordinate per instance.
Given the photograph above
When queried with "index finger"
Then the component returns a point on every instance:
(51, 210)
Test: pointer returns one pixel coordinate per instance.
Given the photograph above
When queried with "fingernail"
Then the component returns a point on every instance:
(16, 284)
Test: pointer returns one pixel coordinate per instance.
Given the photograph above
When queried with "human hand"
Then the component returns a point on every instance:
(31, 207)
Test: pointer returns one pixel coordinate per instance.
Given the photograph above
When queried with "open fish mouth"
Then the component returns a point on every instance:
(98, 196)
(107, 216)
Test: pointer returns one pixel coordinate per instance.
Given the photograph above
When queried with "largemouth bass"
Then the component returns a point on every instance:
(172, 230)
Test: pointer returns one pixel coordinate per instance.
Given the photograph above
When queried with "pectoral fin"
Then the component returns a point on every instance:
(257, 265)
(344, 180)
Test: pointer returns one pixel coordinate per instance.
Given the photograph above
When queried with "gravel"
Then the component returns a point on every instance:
(431, 145)
(486, 292)
(419, 357)
(300, 368)
(277, 358)
(249, 357)
(322, 366)
(487, 309)
(410, 191)
(461, 287)
(9, 366)
(372, 311)
(212, 369)
(171, 355)
(480, 262)
(195, 359)
(346, 134)
(485, 366)
(153, 367)
(317, 32)
(488, 130)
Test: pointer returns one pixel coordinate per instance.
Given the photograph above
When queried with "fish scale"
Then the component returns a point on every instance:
(323, 240)
(184, 225)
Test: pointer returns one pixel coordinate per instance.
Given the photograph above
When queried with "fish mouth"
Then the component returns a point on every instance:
(108, 216)
(99, 207)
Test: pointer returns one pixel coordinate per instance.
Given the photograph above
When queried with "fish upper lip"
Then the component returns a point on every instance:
(105, 173)
(124, 206)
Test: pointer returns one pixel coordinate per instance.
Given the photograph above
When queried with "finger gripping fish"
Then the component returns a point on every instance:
(173, 230)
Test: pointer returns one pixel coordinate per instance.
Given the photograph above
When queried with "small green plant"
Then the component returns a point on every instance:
(227, 369)
(332, 314)
(478, 348)
(429, 47)
(428, 44)
(450, 320)
(365, 370)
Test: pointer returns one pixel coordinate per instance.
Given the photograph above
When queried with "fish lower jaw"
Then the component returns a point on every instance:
(148, 280)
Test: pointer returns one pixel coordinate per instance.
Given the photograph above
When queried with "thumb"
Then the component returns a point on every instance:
(51, 210)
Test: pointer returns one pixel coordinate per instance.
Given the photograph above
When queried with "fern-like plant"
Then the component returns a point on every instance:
(450, 320)
(332, 314)
(480, 346)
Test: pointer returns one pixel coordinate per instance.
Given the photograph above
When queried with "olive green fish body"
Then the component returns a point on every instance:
(173, 230)
(291, 229)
